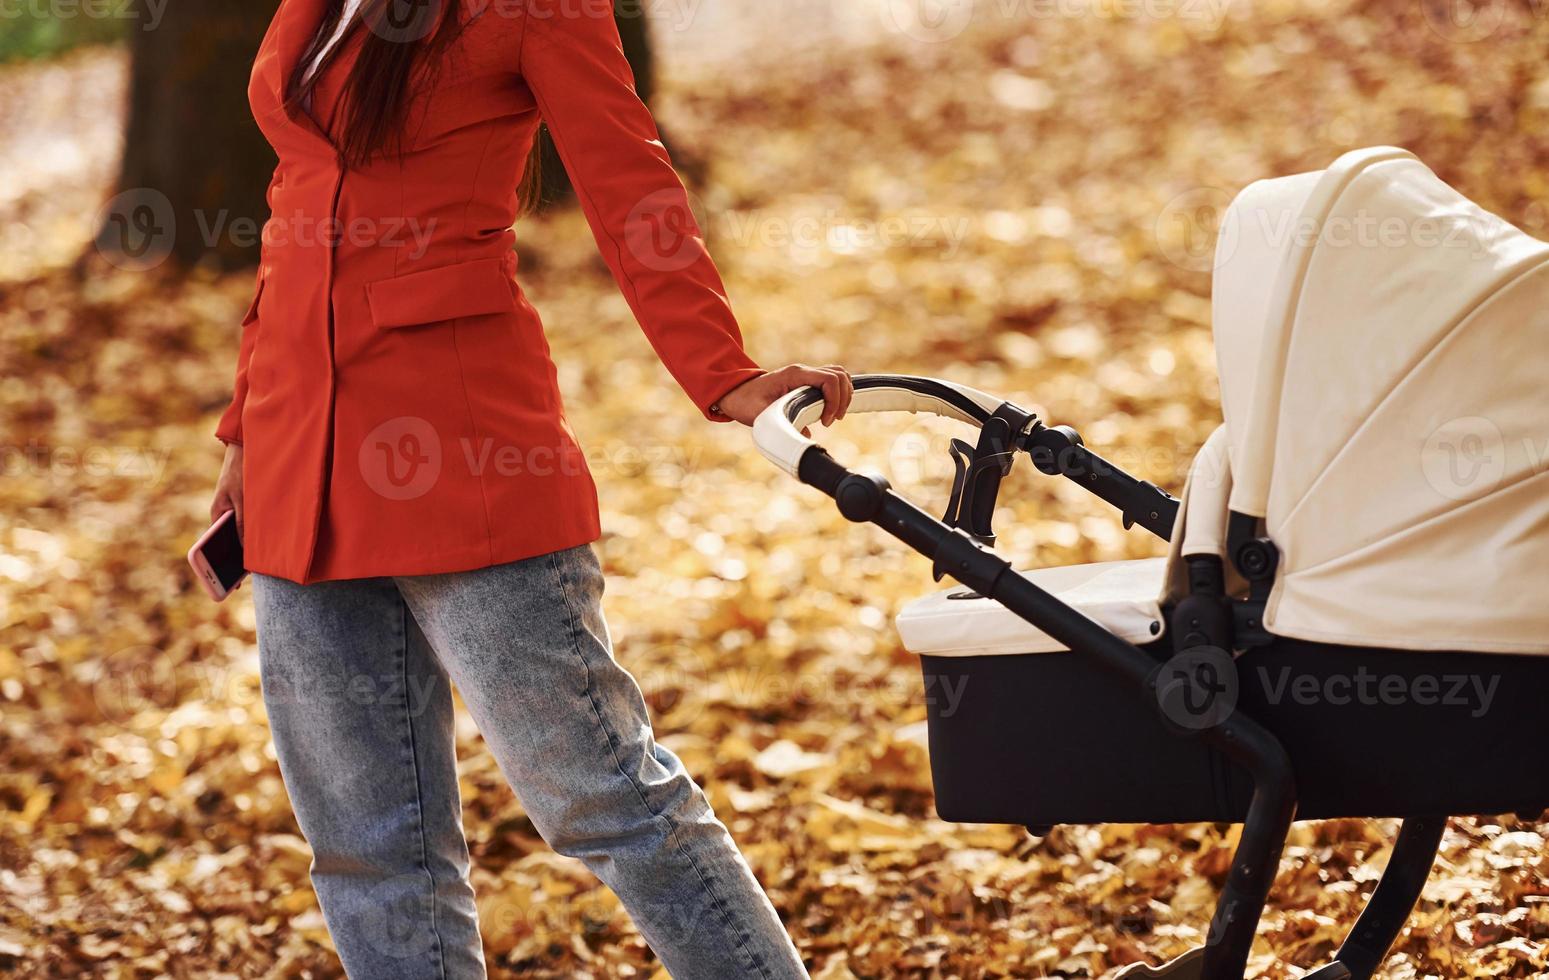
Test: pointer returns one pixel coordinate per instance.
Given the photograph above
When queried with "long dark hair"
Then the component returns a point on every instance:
(402, 36)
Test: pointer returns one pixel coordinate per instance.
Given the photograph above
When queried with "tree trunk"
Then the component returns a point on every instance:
(195, 167)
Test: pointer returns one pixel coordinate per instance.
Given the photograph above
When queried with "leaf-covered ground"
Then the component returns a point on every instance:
(1021, 205)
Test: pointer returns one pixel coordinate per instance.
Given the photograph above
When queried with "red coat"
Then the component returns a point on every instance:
(394, 393)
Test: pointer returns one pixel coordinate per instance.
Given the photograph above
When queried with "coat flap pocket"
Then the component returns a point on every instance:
(472, 288)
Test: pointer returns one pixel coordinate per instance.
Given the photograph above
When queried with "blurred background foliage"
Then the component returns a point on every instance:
(37, 31)
(1022, 199)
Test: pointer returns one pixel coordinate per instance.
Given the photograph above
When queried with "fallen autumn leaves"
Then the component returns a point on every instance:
(1031, 172)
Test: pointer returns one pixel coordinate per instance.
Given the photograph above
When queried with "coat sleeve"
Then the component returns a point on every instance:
(229, 429)
(574, 64)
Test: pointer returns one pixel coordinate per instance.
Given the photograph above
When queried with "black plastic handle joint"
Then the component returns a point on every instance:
(860, 496)
(960, 556)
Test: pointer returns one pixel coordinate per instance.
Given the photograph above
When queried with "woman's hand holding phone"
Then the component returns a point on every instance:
(228, 488)
(217, 558)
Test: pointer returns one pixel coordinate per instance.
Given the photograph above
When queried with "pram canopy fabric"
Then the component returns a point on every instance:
(1383, 346)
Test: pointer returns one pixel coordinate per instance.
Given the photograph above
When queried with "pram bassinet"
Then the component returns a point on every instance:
(1354, 616)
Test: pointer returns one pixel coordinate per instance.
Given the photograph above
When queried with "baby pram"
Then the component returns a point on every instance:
(1353, 620)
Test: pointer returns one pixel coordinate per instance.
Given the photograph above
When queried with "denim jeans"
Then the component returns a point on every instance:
(357, 679)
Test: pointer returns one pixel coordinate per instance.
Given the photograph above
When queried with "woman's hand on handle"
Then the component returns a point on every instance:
(744, 402)
(228, 488)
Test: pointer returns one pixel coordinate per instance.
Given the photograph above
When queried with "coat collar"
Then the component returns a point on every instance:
(291, 32)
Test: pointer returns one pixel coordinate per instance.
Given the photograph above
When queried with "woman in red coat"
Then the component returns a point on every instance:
(412, 501)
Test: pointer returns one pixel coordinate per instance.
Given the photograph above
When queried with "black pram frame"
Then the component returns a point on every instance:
(1206, 618)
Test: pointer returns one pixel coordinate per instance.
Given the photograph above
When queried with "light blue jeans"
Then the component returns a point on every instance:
(357, 680)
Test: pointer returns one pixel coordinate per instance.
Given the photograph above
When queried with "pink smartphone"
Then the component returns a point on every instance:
(216, 557)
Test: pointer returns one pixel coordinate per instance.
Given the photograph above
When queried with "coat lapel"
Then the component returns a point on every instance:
(291, 32)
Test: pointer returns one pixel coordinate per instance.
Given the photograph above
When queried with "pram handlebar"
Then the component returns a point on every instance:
(1055, 451)
(777, 430)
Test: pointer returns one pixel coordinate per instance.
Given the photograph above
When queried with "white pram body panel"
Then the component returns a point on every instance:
(1124, 597)
(1120, 595)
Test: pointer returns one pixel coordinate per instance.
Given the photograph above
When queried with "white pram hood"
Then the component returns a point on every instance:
(1383, 346)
